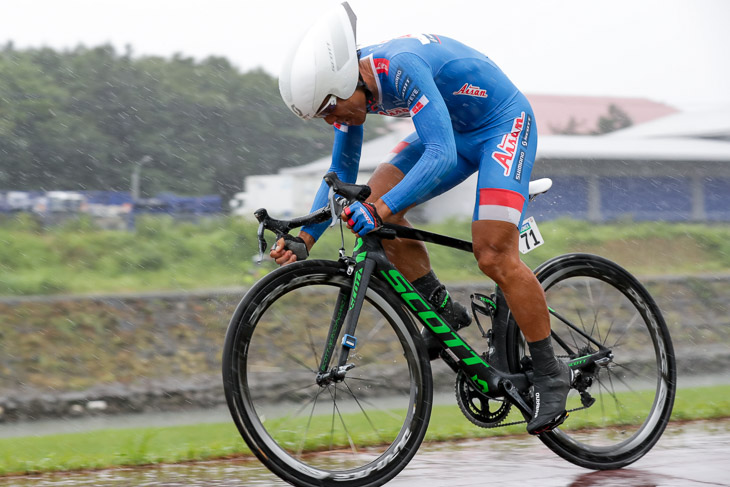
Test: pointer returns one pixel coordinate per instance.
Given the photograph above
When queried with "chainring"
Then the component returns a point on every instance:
(481, 410)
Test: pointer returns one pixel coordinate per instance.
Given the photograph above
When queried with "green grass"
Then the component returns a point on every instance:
(138, 446)
(162, 254)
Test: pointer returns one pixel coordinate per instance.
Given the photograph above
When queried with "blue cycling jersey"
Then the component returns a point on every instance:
(468, 116)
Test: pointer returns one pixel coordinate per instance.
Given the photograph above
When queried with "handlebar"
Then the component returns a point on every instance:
(348, 193)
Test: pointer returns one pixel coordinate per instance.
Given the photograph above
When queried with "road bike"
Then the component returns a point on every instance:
(329, 383)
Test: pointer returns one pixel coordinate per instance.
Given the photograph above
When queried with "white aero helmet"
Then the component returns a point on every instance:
(323, 63)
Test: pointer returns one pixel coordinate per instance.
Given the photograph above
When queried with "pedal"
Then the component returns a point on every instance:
(549, 427)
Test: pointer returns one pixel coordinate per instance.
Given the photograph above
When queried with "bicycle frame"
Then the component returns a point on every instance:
(368, 258)
(489, 379)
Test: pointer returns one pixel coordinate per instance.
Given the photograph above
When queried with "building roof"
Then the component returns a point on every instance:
(372, 154)
(555, 113)
(665, 140)
(603, 147)
(697, 124)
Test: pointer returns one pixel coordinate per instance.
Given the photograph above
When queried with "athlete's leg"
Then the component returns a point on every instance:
(507, 156)
(496, 248)
(502, 193)
(411, 256)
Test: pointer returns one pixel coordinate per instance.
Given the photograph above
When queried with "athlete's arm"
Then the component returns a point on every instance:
(345, 163)
(415, 85)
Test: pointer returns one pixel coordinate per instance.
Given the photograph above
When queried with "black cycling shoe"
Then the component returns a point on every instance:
(451, 311)
(550, 393)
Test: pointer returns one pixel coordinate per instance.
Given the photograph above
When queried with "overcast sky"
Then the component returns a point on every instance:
(671, 51)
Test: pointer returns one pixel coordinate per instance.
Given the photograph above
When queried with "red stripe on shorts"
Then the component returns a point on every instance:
(501, 197)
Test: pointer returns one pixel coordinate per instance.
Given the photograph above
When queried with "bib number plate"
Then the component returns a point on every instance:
(530, 237)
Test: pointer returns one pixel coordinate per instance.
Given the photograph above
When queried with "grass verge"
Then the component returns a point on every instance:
(162, 254)
(140, 446)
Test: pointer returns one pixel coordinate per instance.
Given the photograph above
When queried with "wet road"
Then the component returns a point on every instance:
(688, 455)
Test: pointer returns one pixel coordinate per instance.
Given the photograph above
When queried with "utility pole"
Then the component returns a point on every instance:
(136, 171)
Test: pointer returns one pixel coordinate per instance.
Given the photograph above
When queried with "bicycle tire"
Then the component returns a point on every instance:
(270, 360)
(634, 392)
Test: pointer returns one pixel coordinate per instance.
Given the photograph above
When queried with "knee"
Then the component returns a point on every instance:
(498, 264)
(496, 249)
(492, 262)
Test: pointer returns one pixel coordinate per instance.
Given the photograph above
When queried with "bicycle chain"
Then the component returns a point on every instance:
(513, 423)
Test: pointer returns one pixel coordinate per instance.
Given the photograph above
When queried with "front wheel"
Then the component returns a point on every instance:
(359, 430)
(597, 305)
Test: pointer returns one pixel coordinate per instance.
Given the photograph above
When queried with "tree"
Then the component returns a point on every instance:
(80, 119)
(616, 119)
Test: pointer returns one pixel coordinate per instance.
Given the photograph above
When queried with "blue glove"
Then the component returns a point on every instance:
(362, 218)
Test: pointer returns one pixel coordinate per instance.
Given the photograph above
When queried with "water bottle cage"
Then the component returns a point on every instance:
(486, 306)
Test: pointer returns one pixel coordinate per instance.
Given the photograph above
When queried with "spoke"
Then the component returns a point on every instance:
(617, 403)
(371, 381)
(300, 363)
(622, 381)
(342, 421)
(334, 409)
(375, 330)
(312, 347)
(309, 422)
(288, 392)
(573, 333)
(371, 404)
(367, 417)
(601, 388)
(634, 319)
(628, 369)
(595, 310)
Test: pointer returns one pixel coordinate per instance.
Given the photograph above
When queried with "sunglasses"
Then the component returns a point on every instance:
(328, 107)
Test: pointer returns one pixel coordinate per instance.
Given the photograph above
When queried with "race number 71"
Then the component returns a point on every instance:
(530, 237)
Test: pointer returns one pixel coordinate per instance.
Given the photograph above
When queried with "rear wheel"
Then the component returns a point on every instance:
(358, 430)
(595, 303)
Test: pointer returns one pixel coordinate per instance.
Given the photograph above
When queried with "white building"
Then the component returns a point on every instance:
(673, 168)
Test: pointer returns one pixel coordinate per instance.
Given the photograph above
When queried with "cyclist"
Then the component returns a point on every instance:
(469, 117)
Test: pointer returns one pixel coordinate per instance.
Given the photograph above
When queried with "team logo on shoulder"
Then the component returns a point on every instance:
(471, 90)
(382, 65)
(422, 102)
(505, 156)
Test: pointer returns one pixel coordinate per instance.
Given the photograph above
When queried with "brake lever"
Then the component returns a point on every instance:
(336, 206)
(262, 243)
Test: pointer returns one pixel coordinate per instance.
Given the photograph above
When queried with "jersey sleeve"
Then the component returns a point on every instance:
(415, 85)
(346, 151)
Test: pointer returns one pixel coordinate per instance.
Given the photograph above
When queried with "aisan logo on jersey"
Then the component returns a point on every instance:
(505, 156)
(422, 102)
(393, 112)
(471, 90)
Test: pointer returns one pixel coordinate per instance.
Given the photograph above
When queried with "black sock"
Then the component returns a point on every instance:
(543, 356)
(427, 284)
